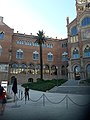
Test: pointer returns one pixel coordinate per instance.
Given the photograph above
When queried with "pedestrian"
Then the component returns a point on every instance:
(26, 93)
(2, 100)
(14, 86)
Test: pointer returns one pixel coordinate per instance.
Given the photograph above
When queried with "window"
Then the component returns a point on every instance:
(19, 54)
(17, 42)
(75, 54)
(85, 21)
(14, 65)
(20, 42)
(30, 43)
(0, 50)
(87, 51)
(3, 67)
(44, 45)
(35, 55)
(64, 45)
(74, 31)
(26, 42)
(50, 56)
(1, 35)
(35, 44)
(74, 39)
(49, 45)
(23, 66)
(65, 56)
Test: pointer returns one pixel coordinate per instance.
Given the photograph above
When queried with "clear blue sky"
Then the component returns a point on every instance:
(29, 16)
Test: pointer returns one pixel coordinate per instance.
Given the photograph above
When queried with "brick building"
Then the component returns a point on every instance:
(79, 42)
(62, 58)
(19, 56)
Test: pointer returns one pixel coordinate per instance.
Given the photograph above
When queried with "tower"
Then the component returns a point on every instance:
(82, 5)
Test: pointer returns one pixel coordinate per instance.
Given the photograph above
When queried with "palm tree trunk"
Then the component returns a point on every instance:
(41, 62)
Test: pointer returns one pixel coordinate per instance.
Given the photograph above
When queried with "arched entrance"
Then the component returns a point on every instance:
(77, 72)
(88, 71)
(63, 70)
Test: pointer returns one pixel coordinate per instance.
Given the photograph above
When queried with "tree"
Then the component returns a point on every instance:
(40, 40)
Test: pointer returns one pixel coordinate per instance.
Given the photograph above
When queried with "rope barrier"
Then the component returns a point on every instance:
(55, 102)
(37, 99)
(77, 103)
(44, 96)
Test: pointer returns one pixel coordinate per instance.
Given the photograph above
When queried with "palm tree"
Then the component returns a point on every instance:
(40, 40)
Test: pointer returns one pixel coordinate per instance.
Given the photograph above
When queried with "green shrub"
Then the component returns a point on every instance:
(40, 80)
(44, 85)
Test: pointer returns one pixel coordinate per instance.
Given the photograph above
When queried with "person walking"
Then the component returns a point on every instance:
(2, 100)
(26, 93)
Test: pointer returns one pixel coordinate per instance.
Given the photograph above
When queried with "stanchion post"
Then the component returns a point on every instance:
(43, 99)
(66, 101)
(21, 95)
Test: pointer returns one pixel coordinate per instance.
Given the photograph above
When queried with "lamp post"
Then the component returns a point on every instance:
(57, 74)
(10, 51)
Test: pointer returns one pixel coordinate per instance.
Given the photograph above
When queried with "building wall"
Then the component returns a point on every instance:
(83, 39)
(12, 42)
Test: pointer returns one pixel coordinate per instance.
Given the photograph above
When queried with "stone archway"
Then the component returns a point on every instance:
(63, 70)
(77, 73)
(88, 71)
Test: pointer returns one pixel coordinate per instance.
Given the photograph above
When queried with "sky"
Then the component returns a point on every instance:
(30, 16)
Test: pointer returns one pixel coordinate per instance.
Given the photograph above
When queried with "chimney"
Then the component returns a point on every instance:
(67, 20)
(1, 19)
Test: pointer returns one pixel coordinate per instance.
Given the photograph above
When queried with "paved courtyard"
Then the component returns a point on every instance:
(47, 106)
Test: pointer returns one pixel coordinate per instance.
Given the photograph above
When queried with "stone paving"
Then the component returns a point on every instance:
(49, 105)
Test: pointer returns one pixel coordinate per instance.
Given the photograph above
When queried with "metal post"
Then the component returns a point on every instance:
(43, 99)
(66, 101)
(21, 94)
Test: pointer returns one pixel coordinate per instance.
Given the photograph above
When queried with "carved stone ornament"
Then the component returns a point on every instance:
(86, 34)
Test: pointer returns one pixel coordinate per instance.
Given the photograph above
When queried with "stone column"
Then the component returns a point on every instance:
(69, 70)
(82, 69)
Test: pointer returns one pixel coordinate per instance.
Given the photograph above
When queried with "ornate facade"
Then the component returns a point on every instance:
(79, 42)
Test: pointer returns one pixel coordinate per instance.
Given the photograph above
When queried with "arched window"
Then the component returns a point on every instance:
(74, 31)
(0, 50)
(24, 66)
(75, 54)
(50, 56)
(1, 35)
(19, 54)
(65, 56)
(35, 55)
(85, 21)
(87, 51)
(14, 65)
